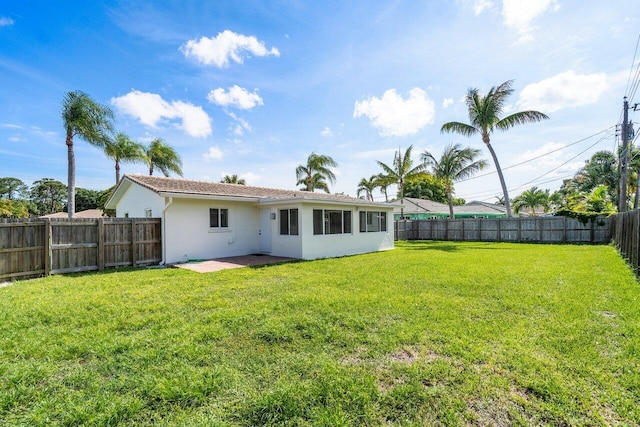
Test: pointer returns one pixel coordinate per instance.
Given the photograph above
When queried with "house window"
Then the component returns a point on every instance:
(289, 222)
(219, 218)
(372, 221)
(331, 221)
(148, 213)
(126, 214)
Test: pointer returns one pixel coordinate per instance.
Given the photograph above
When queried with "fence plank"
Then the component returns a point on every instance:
(525, 229)
(36, 247)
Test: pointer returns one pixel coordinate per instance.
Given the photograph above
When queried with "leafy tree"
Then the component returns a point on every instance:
(122, 149)
(164, 157)
(233, 179)
(484, 116)
(532, 199)
(426, 186)
(48, 196)
(10, 208)
(103, 196)
(86, 199)
(12, 188)
(316, 172)
(88, 120)
(367, 186)
(456, 163)
(402, 170)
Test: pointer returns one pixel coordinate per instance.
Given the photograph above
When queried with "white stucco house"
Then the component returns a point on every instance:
(204, 220)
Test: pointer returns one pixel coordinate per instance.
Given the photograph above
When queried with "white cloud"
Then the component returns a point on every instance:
(150, 109)
(224, 48)
(10, 126)
(17, 138)
(480, 5)
(518, 15)
(5, 22)
(326, 132)
(446, 102)
(235, 96)
(214, 153)
(564, 90)
(395, 116)
(240, 126)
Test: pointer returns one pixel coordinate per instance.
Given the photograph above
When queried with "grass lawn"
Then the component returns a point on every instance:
(431, 333)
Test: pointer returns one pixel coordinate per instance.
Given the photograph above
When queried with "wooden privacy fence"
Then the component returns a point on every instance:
(625, 233)
(531, 229)
(37, 247)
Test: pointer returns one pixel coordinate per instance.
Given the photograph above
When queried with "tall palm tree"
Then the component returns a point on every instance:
(484, 115)
(164, 157)
(532, 199)
(122, 149)
(233, 179)
(316, 172)
(402, 170)
(367, 186)
(88, 120)
(456, 163)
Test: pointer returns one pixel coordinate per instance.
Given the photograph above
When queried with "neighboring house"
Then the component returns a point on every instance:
(428, 209)
(203, 220)
(89, 213)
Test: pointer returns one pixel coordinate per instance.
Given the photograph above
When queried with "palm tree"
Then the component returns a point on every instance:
(233, 179)
(88, 120)
(164, 157)
(122, 149)
(402, 170)
(456, 163)
(531, 199)
(484, 115)
(383, 182)
(367, 186)
(316, 173)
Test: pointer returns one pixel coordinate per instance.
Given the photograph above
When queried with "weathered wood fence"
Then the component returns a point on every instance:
(625, 234)
(37, 247)
(531, 229)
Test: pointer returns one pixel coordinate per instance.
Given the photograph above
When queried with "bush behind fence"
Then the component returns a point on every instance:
(531, 229)
(37, 247)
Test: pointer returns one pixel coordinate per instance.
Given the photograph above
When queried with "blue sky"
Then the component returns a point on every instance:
(252, 88)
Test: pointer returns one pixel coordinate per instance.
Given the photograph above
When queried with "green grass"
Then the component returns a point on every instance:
(431, 333)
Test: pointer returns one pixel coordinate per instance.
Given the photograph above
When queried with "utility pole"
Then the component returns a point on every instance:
(624, 158)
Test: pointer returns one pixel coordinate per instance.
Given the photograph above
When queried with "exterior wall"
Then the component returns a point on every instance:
(136, 200)
(332, 245)
(188, 235)
(285, 245)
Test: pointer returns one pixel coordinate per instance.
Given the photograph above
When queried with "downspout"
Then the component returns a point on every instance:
(164, 231)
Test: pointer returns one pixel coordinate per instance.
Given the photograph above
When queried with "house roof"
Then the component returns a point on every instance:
(412, 206)
(89, 213)
(195, 189)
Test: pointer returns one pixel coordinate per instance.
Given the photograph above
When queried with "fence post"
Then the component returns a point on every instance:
(100, 244)
(47, 246)
(133, 243)
(564, 229)
(499, 236)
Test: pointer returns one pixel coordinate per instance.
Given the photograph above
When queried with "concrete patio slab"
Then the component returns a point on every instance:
(218, 264)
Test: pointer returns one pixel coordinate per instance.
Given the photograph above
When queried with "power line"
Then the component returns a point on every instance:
(546, 173)
(633, 61)
(540, 156)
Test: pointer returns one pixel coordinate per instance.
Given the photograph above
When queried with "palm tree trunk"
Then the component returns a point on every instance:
(71, 176)
(507, 202)
(117, 172)
(450, 200)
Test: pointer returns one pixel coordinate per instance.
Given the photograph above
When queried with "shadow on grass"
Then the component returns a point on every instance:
(446, 246)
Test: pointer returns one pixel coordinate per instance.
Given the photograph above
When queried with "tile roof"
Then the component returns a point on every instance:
(207, 188)
(89, 213)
